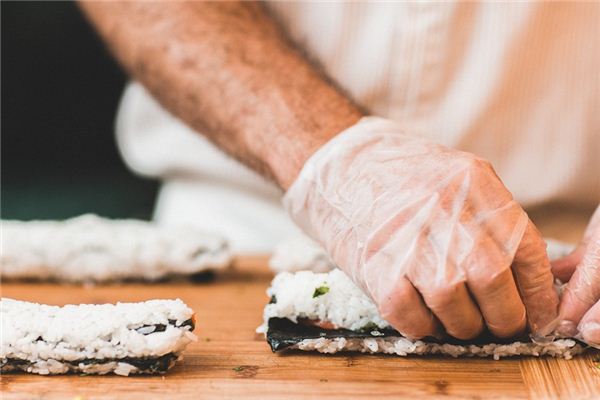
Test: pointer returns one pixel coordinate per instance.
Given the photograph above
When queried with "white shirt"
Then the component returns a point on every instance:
(516, 83)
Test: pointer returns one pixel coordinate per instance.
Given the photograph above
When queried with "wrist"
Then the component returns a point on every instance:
(288, 153)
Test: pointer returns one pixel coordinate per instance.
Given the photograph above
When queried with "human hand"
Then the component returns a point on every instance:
(579, 310)
(430, 233)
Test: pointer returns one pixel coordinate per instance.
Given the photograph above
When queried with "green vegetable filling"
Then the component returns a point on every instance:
(370, 326)
(320, 291)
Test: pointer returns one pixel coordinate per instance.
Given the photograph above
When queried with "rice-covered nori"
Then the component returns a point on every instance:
(122, 338)
(294, 316)
(283, 333)
(151, 365)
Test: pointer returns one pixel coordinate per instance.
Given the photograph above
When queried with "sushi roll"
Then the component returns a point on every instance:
(93, 249)
(122, 338)
(328, 313)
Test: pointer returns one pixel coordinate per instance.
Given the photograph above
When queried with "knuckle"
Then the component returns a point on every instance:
(482, 164)
(489, 281)
(472, 162)
(440, 296)
(396, 301)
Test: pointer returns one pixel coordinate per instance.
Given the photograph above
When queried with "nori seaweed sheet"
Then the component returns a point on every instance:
(163, 327)
(151, 365)
(283, 333)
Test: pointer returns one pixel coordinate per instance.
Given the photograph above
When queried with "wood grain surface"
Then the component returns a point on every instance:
(230, 360)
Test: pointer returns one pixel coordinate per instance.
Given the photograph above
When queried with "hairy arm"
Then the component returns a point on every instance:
(227, 70)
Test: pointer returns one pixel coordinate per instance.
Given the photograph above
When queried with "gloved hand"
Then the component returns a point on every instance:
(429, 233)
(579, 312)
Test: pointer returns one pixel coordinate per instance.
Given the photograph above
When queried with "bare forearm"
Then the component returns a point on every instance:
(226, 70)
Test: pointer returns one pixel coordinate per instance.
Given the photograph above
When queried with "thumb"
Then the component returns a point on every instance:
(582, 291)
(564, 267)
(589, 327)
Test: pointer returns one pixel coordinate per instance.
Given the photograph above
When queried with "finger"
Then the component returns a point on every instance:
(589, 327)
(564, 267)
(535, 282)
(455, 309)
(499, 302)
(583, 290)
(406, 311)
(593, 227)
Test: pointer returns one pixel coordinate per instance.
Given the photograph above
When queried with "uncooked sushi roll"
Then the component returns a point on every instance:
(93, 249)
(122, 338)
(328, 313)
(300, 253)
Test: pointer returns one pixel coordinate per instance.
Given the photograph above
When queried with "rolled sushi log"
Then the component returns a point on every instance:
(122, 338)
(328, 313)
(93, 249)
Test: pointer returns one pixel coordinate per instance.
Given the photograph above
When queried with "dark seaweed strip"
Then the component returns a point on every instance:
(203, 276)
(154, 364)
(151, 365)
(188, 322)
(163, 327)
(283, 333)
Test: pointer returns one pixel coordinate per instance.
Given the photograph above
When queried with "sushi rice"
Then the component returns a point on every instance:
(123, 338)
(93, 249)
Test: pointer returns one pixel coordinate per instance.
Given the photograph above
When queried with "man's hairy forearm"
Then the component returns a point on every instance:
(226, 70)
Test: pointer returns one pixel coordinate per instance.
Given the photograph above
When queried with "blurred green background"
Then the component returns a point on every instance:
(60, 92)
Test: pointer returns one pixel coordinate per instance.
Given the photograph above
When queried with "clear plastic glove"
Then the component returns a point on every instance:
(579, 312)
(429, 233)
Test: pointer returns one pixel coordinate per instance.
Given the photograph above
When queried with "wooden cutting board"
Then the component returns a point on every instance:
(230, 360)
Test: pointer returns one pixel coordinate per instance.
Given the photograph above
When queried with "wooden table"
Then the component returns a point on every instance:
(230, 360)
